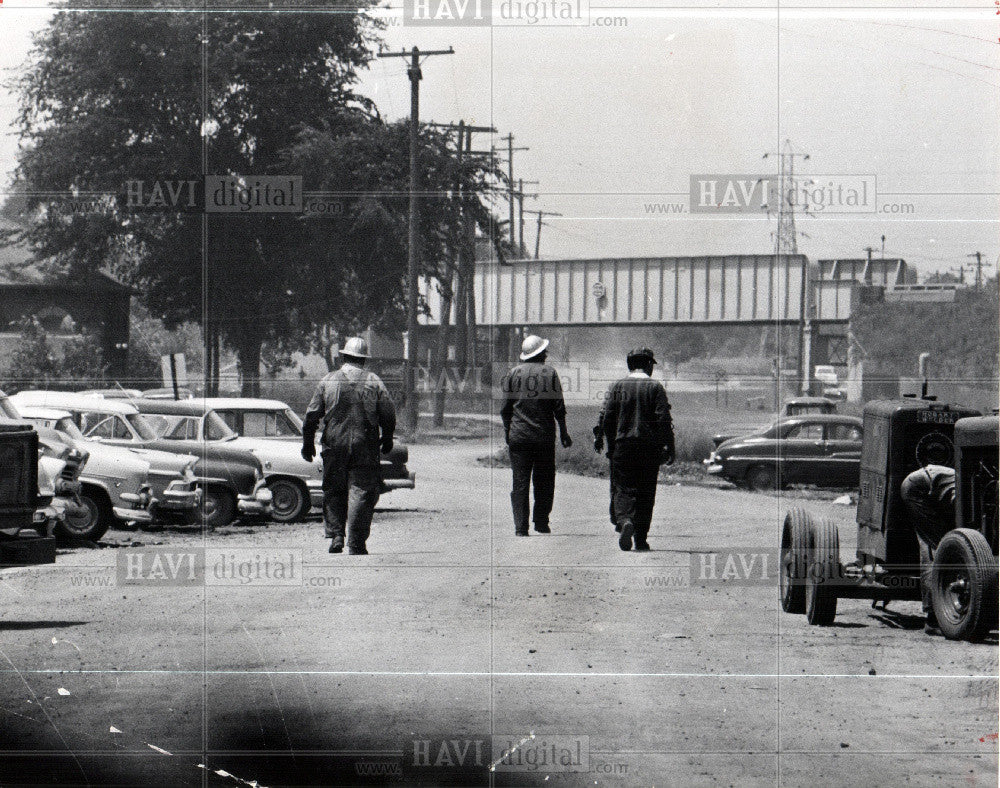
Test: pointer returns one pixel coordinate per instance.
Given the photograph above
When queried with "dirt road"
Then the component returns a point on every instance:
(398, 667)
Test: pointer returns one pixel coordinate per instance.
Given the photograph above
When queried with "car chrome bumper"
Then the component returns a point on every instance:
(712, 468)
(257, 503)
(401, 484)
(315, 488)
(175, 500)
(133, 515)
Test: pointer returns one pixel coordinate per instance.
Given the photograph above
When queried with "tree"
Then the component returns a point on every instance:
(110, 99)
(35, 363)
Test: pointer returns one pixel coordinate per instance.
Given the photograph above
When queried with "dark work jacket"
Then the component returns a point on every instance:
(637, 410)
(533, 402)
(352, 407)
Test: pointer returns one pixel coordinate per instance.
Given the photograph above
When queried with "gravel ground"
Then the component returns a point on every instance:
(397, 667)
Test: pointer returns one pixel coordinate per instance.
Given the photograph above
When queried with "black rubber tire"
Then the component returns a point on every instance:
(823, 573)
(93, 527)
(964, 585)
(794, 560)
(290, 501)
(761, 478)
(218, 507)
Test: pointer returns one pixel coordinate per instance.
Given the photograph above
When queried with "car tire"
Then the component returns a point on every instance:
(823, 573)
(964, 585)
(289, 501)
(218, 507)
(91, 527)
(794, 561)
(761, 478)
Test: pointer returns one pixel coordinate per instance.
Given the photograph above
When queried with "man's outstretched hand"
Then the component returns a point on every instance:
(386, 445)
(308, 452)
(599, 444)
(565, 440)
(669, 455)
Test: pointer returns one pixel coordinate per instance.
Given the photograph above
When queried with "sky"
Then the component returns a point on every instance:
(617, 118)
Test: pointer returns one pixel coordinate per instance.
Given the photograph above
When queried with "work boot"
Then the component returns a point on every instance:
(542, 528)
(357, 551)
(520, 533)
(641, 544)
(931, 624)
(337, 544)
(625, 540)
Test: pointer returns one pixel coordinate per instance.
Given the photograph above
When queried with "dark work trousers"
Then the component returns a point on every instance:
(351, 484)
(611, 504)
(635, 467)
(532, 464)
(929, 495)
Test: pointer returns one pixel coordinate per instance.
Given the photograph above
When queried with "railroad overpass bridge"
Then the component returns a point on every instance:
(724, 290)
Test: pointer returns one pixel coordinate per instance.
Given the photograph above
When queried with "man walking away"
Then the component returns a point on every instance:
(358, 418)
(636, 424)
(533, 405)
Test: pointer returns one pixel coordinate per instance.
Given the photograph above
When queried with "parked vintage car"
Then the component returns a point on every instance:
(174, 488)
(231, 480)
(115, 484)
(796, 406)
(272, 431)
(816, 449)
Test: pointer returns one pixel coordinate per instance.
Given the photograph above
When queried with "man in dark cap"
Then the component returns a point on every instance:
(635, 423)
(533, 405)
(358, 419)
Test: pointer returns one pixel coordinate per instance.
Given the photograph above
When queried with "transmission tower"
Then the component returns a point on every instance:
(786, 243)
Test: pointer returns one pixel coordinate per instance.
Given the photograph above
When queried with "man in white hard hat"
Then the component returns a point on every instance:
(358, 418)
(533, 406)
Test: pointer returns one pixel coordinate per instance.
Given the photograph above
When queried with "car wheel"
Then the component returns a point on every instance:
(761, 478)
(218, 507)
(964, 585)
(823, 573)
(289, 501)
(90, 522)
(794, 557)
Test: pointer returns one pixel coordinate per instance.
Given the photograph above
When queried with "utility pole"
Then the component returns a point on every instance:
(538, 233)
(520, 212)
(412, 263)
(510, 182)
(786, 243)
(979, 269)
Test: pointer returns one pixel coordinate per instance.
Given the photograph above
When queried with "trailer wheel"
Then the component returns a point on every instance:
(794, 554)
(964, 585)
(823, 573)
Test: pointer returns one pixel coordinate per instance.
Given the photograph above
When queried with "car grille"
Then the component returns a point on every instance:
(72, 470)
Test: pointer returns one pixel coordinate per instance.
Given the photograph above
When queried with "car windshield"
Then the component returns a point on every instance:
(141, 426)
(271, 424)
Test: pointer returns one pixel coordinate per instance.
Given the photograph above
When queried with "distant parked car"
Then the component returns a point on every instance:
(817, 449)
(796, 406)
(231, 480)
